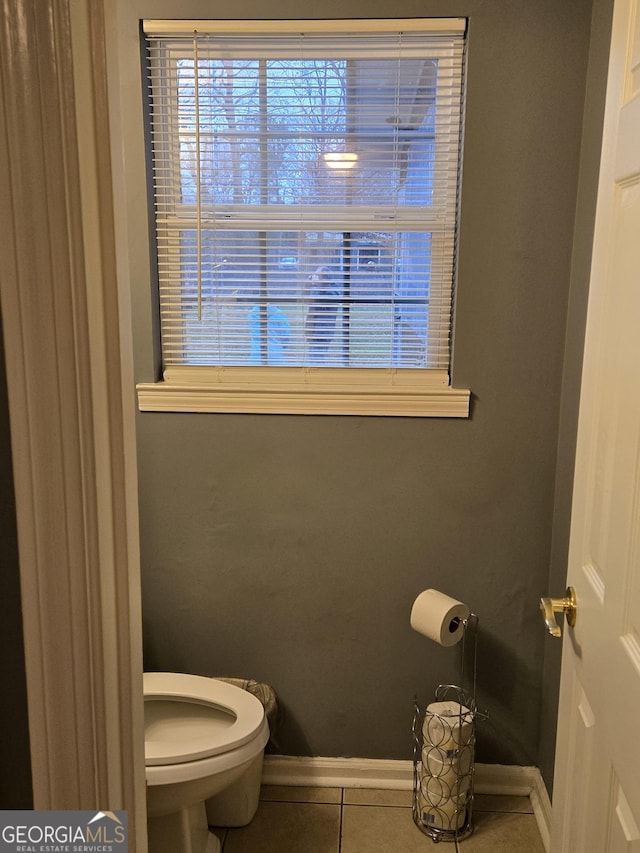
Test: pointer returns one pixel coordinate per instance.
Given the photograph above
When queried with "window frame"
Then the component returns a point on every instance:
(403, 391)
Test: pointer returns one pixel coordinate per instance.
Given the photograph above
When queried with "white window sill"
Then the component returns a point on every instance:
(305, 391)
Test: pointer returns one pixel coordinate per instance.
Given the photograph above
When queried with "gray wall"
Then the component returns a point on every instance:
(290, 549)
(578, 293)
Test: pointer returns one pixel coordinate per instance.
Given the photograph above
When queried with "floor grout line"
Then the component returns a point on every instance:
(340, 825)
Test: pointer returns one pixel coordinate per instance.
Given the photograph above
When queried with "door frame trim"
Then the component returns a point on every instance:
(71, 407)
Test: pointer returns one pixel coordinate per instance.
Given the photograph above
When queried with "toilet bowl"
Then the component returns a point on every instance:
(204, 746)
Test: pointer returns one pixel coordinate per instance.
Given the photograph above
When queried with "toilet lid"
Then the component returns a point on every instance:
(189, 717)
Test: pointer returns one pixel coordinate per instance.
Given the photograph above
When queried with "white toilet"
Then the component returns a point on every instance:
(204, 747)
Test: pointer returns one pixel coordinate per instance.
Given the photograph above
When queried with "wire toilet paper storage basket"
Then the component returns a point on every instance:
(444, 736)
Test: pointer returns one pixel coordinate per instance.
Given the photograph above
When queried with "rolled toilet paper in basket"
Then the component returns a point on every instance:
(448, 815)
(439, 617)
(447, 725)
(450, 765)
(438, 790)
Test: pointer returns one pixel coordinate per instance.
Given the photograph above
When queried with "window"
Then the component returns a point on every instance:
(305, 185)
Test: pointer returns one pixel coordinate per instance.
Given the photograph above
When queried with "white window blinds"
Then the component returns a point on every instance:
(305, 185)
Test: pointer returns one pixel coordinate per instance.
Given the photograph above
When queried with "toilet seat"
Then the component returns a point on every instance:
(181, 743)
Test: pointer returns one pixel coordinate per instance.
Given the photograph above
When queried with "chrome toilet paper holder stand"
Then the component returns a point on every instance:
(442, 807)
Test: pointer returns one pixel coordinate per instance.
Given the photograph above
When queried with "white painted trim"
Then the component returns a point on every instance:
(312, 393)
(306, 391)
(541, 805)
(447, 403)
(497, 779)
(387, 774)
(508, 780)
(359, 25)
(110, 348)
(337, 772)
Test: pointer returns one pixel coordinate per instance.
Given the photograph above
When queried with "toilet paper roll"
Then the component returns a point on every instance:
(439, 617)
(447, 725)
(447, 815)
(437, 790)
(447, 765)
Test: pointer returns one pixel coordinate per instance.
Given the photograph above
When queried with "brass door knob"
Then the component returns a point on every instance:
(567, 605)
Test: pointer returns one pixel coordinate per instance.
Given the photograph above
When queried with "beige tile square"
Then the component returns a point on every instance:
(504, 832)
(377, 797)
(300, 794)
(288, 828)
(496, 803)
(380, 829)
(385, 829)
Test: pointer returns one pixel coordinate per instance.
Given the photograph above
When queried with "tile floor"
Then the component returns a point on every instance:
(361, 820)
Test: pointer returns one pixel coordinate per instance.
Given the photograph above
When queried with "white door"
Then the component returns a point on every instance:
(596, 803)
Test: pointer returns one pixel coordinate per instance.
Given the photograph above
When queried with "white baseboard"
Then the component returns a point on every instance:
(337, 772)
(398, 775)
(541, 804)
